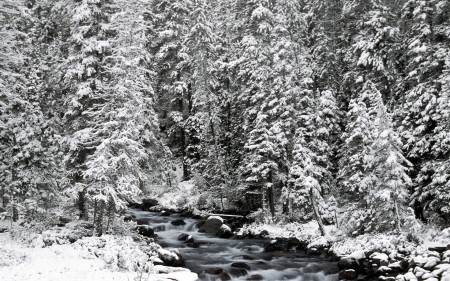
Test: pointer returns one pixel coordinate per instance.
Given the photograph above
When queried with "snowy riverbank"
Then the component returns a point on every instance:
(108, 257)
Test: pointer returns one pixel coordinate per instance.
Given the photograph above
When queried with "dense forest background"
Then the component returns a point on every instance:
(332, 110)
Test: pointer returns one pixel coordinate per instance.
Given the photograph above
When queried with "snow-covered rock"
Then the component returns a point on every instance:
(431, 263)
(212, 225)
(224, 232)
(377, 258)
(441, 268)
(429, 275)
(419, 261)
(170, 258)
(410, 277)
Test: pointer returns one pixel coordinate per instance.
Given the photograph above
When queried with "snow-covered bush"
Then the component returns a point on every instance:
(118, 252)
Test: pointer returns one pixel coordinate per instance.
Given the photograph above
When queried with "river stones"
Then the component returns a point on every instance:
(284, 245)
(212, 225)
(224, 232)
(223, 277)
(145, 230)
(142, 222)
(183, 236)
(214, 270)
(147, 203)
(348, 263)
(349, 274)
(242, 257)
(238, 272)
(255, 277)
(240, 265)
(178, 222)
(170, 258)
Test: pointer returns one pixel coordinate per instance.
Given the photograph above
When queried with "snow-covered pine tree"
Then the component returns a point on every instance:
(311, 170)
(170, 20)
(352, 186)
(112, 142)
(269, 62)
(426, 48)
(387, 180)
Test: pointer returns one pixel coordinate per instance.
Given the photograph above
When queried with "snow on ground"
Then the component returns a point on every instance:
(342, 245)
(91, 258)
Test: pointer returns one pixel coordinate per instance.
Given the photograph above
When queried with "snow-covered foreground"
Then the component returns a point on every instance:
(73, 262)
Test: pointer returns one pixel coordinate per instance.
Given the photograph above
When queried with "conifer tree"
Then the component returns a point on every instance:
(112, 144)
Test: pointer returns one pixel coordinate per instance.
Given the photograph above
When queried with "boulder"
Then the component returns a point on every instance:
(410, 277)
(255, 277)
(190, 239)
(378, 257)
(420, 261)
(165, 214)
(142, 222)
(238, 272)
(242, 257)
(147, 203)
(240, 265)
(214, 270)
(429, 275)
(183, 237)
(264, 234)
(348, 274)
(200, 224)
(348, 263)
(145, 230)
(396, 266)
(224, 232)
(223, 277)
(170, 258)
(431, 263)
(212, 225)
(385, 270)
(441, 268)
(178, 222)
(127, 218)
(186, 214)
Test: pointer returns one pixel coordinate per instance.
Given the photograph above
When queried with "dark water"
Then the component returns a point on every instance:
(216, 252)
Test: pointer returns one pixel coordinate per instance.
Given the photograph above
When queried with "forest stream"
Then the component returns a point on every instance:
(221, 253)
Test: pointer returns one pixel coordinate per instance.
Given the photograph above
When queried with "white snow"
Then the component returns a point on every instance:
(91, 258)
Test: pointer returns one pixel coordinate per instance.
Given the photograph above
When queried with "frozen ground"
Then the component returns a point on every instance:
(93, 259)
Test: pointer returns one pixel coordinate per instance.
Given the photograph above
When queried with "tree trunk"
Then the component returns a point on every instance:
(82, 205)
(95, 210)
(397, 216)
(110, 213)
(271, 195)
(316, 213)
(15, 212)
(99, 221)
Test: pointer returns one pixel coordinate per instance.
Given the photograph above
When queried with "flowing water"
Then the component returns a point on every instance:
(217, 252)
